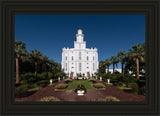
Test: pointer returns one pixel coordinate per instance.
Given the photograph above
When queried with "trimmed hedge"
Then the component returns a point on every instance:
(98, 85)
(21, 90)
(92, 80)
(61, 86)
(68, 81)
(134, 87)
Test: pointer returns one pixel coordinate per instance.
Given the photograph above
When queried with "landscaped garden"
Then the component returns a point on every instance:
(36, 72)
(73, 85)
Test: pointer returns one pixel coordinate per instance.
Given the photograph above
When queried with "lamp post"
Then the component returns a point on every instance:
(108, 80)
(51, 81)
(100, 78)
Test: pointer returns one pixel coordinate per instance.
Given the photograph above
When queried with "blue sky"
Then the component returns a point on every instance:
(108, 33)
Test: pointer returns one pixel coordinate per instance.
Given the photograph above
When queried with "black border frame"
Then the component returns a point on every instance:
(10, 7)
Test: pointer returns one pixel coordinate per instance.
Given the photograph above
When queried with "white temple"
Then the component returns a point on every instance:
(79, 60)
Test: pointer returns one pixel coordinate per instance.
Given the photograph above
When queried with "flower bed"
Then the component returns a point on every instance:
(81, 90)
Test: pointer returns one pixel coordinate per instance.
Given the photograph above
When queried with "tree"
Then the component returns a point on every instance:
(108, 63)
(20, 52)
(102, 67)
(44, 60)
(35, 58)
(114, 61)
(51, 63)
(137, 54)
(122, 58)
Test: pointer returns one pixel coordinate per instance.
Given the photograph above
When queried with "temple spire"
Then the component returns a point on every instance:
(80, 27)
(79, 35)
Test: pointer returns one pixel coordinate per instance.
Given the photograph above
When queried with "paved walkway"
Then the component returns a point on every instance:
(70, 95)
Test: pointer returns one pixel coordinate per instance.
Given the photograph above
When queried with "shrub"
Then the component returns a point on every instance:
(43, 83)
(21, 90)
(68, 81)
(108, 99)
(132, 79)
(34, 89)
(50, 75)
(142, 91)
(121, 87)
(50, 99)
(92, 80)
(27, 77)
(32, 80)
(32, 85)
(109, 75)
(61, 86)
(98, 85)
(134, 87)
(42, 76)
(141, 83)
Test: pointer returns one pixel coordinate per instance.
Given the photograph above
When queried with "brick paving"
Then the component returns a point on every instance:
(90, 95)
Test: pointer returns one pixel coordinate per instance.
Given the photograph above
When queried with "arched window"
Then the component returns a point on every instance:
(72, 58)
(87, 58)
(93, 57)
(80, 66)
(66, 57)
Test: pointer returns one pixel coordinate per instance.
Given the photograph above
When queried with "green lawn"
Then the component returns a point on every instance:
(73, 85)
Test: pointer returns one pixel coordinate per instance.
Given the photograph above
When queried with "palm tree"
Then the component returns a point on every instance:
(20, 51)
(102, 67)
(35, 58)
(137, 53)
(44, 60)
(51, 63)
(114, 61)
(122, 58)
(108, 63)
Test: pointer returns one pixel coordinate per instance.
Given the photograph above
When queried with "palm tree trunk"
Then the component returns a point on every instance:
(122, 67)
(108, 68)
(17, 70)
(35, 70)
(137, 67)
(113, 67)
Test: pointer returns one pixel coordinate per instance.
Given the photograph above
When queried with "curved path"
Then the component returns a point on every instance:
(70, 95)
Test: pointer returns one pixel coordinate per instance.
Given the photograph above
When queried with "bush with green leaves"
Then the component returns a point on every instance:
(98, 85)
(34, 89)
(134, 87)
(68, 81)
(50, 75)
(32, 85)
(49, 99)
(61, 86)
(21, 90)
(142, 90)
(27, 77)
(92, 80)
(42, 76)
(43, 83)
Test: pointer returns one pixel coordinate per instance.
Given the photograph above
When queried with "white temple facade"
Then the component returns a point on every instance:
(79, 60)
